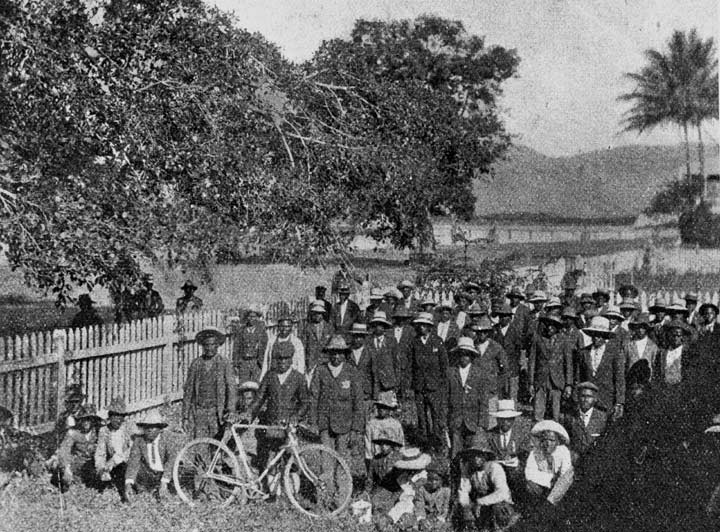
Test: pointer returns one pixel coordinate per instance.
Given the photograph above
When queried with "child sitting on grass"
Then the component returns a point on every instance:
(432, 500)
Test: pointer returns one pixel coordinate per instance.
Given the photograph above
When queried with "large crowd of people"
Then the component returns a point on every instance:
(463, 414)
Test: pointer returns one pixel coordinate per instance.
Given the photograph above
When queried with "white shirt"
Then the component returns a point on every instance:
(424, 339)
(282, 377)
(398, 333)
(596, 354)
(640, 345)
(673, 369)
(343, 308)
(464, 374)
(505, 439)
(540, 471)
(154, 460)
(483, 346)
(504, 330)
(357, 353)
(460, 319)
(443, 328)
(586, 416)
(335, 370)
(378, 341)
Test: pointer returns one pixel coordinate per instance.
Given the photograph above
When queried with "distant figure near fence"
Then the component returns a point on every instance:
(88, 315)
(189, 302)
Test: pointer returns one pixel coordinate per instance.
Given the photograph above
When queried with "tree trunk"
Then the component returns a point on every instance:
(688, 176)
(701, 160)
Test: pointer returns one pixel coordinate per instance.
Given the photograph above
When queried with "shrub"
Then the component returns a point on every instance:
(700, 227)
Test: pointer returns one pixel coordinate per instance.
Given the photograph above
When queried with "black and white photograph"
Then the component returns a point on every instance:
(379, 266)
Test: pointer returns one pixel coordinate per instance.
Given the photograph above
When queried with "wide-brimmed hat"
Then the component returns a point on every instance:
(570, 312)
(550, 319)
(87, 412)
(189, 285)
(475, 310)
(465, 344)
(379, 316)
(318, 306)
(359, 329)
(152, 419)
(587, 385)
(586, 298)
(552, 426)
(388, 399)
(402, 312)
(249, 386)
(424, 318)
(506, 409)
(629, 304)
(538, 296)
(709, 305)
(210, 332)
(412, 459)
(679, 324)
(677, 308)
(553, 302)
(394, 293)
(501, 309)
(612, 312)
(641, 320)
(715, 426)
(691, 296)
(337, 343)
(483, 324)
(118, 407)
(444, 306)
(376, 294)
(599, 326)
(515, 292)
(405, 284)
(659, 305)
(428, 302)
(477, 448)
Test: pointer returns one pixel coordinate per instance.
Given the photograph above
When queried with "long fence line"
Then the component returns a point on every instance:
(145, 361)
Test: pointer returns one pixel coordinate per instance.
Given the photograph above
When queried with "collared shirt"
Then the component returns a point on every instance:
(282, 377)
(586, 416)
(464, 374)
(596, 354)
(379, 341)
(673, 369)
(357, 353)
(640, 345)
(397, 331)
(335, 370)
(490, 483)
(545, 472)
(424, 339)
(504, 330)
(443, 328)
(343, 308)
(483, 347)
(460, 319)
(153, 451)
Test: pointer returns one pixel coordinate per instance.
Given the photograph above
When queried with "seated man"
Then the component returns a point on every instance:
(113, 447)
(151, 459)
(432, 499)
(509, 440)
(587, 423)
(549, 471)
(77, 450)
(483, 493)
(383, 436)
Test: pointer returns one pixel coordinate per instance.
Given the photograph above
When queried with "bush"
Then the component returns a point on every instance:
(700, 227)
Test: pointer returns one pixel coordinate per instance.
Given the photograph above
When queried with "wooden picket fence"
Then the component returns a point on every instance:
(144, 361)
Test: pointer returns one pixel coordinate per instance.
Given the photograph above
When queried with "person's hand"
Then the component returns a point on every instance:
(163, 492)
(129, 493)
(567, 393)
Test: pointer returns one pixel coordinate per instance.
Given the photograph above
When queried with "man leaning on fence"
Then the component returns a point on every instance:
(210, 392)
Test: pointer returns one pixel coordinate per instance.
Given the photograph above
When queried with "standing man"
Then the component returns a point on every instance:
(189, 302)
(603, 364)
(320, 292)
(315, 336)
(641, 346)
(376, 303)
(286, 342)
(249, 347)
(384, 361)
(492, 362)
(345, 312)
(338, 390)
(520, 313)
(152, 303)
(429, 363)
(403, 333)
(508, 333)
(447, 328)
(551, 368)
(209, 392)
(408, 301)
(673, 361)
(359, 359)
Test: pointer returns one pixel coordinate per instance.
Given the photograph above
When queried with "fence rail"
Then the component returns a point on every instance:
(145, 361)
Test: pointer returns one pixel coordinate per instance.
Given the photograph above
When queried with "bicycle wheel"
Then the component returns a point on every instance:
(205, 470)
(320, 486)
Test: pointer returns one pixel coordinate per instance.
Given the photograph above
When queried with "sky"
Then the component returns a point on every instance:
(573, 54)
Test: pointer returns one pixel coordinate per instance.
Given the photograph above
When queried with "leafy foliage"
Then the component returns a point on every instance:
(677, 197)
(700, 226)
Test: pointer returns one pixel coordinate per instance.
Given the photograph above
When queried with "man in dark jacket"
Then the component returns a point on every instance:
(492, 363)
(429, 363)
(345, 312)
(359, 359)
(403, 333)
(315, 336)
(587, 423)
(209, 393)
(383, 351)
(152, 455)
(508, 333)
(249, 344)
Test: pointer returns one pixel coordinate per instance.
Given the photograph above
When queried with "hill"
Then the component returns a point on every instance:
(614, 183)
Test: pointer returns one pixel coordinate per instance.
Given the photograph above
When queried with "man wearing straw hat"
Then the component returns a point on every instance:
(447, 328)
(509, 334)
(492, 363)
(383, 436)
(550, 368)
(113, 446)
(249, 344)
(403, 333)
(360, 359)
(315, 336)
(549, 472)
(510, 441)
(603, 364)
(376, 303)
(210, 392)
(429, 365)
(345, 312)
(151, 460)
(384, 360)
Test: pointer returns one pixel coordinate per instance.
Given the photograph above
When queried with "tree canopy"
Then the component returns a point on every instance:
(159, 129)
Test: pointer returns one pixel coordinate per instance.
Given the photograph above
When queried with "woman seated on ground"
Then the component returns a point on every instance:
(549, 471)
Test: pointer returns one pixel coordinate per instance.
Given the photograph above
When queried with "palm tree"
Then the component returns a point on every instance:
(675, 87)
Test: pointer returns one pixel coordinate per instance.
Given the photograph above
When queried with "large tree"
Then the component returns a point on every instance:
(677, 86)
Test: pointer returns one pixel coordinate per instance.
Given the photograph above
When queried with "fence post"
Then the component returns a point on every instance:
(59, 338)
(167, 348)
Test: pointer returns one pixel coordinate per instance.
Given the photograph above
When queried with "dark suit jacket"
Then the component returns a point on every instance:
(250, 345)
(581, 437)
(429, 363)
(403, 354)
(467, 405)
(610, 374)
(493, 368)
(225, 382)
(521, 318)
(384, 364)
(512, 342)
(364, 370)
(139, 456)
(452, 334)
(281, 402)
(339, 400)
(352, 314)
(519, 445)
(315, 342)
(550, 364)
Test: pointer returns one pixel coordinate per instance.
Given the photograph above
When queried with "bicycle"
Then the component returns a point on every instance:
(316, 480)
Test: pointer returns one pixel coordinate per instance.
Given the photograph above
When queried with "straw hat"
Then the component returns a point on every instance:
(428, 302)
(484, 324)
(538, 296)
(210, 332)
(587, 385)
(506, 409)
(691, 296)
(358, 329)
(152, 419)
(405, 284)
(388, 399)
(680, 324)
(376, 294)
(677, 308)
(394, 293)
(515, 292)
(659, 305)
(424, 318)
(613, 312)
(475, 310)
(337, 343)
(465, 344)
(379, 316)
(552, 426)
(412, 459)
(553, 302)
(444, 306)
(570, 312)
(402, 312)
(641, 320)
(599, 326)
(249, 386)
(318, 306)
(630, 304)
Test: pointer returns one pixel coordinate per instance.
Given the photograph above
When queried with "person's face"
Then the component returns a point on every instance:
(248, 398)
(406, 291)
(505, 423)
(690, 305)
(336, 357)
(392, 301)
(424, 329)
(514, 301)
(433, 482)
(85, 424)
(550, 330)
(319, 293)
(639, 333)
(210, 347)
(474, 293)
(483, 335)
(504, 320)
(383, 412)
(626, 312)
(378, 329)
(283, 364)
(548, 442)
(660, 315)
(252, 318)
(601, 300)
(356, 340)
(445, 315)
(465, 359)
(587, 399)
(675, 337)
(150, 433)
(316, 317)
(284, 328)
(598, 341)
(538, 306)
(614, 322)
(478, 461)
(115, 421)
(709, 315)
(587, 306)
(343, 296)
